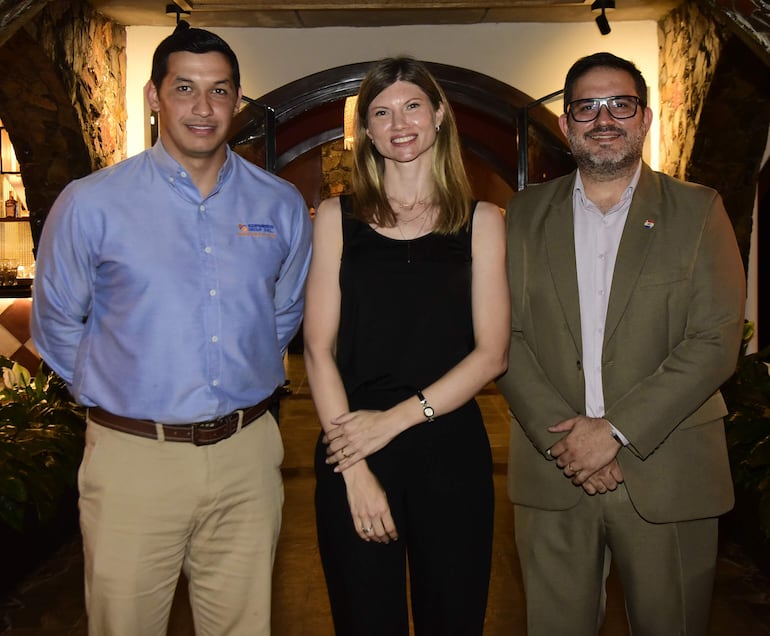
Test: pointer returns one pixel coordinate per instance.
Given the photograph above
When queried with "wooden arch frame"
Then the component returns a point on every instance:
(307, 113)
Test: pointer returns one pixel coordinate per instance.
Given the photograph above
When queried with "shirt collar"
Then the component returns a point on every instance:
(578, 191)
(174, 171)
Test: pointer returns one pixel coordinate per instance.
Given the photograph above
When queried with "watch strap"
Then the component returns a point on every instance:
(427, 409)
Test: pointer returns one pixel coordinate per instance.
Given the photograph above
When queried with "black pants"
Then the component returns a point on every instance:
(438, 479)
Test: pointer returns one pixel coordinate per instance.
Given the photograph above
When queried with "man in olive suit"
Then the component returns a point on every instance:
(627, 311)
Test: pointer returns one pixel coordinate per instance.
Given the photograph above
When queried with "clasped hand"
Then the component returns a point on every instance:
(369, 506)
(586, 454)
(354, 436)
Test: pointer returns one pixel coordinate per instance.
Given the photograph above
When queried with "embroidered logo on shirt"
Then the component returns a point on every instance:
(649, 224)
(256, 229)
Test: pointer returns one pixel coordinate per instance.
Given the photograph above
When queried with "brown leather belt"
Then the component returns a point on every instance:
(198, 433)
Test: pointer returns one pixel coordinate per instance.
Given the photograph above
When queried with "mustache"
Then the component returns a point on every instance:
(605, 129)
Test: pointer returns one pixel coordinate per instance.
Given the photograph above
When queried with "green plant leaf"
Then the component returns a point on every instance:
(11, 514)
(41, 443)
(13, 488)
(760, 454)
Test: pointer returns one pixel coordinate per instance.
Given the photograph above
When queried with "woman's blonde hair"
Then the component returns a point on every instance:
(452, 188)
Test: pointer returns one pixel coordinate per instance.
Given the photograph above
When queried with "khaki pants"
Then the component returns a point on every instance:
(150, 508)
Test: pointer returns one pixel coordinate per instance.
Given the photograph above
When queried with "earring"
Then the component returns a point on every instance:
(438, 127)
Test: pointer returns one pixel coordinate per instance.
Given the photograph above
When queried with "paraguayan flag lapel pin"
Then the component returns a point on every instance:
(649, 224)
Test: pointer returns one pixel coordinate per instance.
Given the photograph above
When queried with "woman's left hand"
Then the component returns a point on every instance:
(354, 436)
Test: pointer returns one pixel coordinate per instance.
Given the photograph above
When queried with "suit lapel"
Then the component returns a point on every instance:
(638, 233)
(560, 245)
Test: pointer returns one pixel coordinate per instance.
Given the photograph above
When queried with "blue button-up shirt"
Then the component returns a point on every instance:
(153, 302)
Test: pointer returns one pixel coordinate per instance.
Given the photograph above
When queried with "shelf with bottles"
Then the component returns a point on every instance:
(15, 235)
(14, 197)
(13, 192)
(17, 261)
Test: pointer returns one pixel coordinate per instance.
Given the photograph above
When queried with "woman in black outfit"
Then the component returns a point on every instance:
(407, 318)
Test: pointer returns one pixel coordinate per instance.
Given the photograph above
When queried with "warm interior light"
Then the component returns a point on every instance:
(349, 122)
(16, 245)
(8, 161)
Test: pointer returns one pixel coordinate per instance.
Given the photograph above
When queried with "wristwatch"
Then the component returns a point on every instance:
(427, 409)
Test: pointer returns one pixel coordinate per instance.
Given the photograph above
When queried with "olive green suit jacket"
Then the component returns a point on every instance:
(672, 336)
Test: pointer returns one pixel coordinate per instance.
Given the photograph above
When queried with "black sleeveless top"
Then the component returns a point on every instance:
(405, 314)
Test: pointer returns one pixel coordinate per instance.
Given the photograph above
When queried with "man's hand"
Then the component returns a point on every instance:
(587, 447)
(604, 480)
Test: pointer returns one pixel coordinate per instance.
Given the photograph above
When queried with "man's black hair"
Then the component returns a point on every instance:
(603, 60)
(185, 38)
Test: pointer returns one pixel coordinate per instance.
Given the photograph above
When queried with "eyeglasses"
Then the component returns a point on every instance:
(620, 107)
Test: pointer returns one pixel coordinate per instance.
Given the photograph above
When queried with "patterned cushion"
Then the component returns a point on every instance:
(15, 341)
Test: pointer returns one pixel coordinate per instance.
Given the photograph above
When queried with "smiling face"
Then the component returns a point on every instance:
(196, 103)
(606, 148)
(401, 122)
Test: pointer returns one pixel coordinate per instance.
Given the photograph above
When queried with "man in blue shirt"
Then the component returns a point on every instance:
(168, 287)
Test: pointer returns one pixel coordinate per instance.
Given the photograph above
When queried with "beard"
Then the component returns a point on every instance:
(607, 164)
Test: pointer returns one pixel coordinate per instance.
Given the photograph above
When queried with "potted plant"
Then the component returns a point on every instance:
(747, 394)
(41, 444)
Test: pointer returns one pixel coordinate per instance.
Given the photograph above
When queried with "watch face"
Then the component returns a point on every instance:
(428, 411)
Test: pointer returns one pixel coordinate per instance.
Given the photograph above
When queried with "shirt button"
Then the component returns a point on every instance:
(212, 292)
(207, 250)
(214, 338)
(215, 383)
(202, 208)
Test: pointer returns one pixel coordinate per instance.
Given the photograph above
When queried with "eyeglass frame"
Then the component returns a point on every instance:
(604, 101)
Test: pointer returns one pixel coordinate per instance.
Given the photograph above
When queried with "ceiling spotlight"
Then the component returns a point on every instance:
(175, 9)
(601, 20)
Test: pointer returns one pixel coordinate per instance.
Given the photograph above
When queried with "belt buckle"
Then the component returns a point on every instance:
(220, 422)
(204, 426)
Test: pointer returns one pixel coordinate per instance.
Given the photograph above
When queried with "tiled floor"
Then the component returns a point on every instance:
(49, 603)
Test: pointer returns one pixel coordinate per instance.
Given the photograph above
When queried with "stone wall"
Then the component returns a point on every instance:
(690, 46)
(336, 169)
(62, 99)
(91, 52)
(715, 109)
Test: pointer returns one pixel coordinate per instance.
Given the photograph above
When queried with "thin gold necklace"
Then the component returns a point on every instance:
(400, 221)
(409, 240)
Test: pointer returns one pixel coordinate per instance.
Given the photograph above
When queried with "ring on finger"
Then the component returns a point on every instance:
(343, 453)
(367, 530)
(569, 467)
